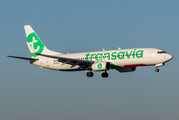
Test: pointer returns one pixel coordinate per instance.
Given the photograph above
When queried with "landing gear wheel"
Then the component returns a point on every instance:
(104, 74)
(156, 70)
(89, 74)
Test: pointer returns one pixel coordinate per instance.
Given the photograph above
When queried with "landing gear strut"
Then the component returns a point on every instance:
(156, 70)
(104, 74)
(89, 74)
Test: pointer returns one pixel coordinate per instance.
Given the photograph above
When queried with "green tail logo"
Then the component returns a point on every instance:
(35, 42)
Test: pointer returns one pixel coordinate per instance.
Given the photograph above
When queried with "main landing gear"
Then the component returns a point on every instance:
(104, 74)
(90, 74)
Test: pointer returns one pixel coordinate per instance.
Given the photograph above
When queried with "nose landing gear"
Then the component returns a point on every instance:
(158, 65)
(156, 70)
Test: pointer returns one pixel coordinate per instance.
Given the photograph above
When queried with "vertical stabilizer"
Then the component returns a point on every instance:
(35, 44)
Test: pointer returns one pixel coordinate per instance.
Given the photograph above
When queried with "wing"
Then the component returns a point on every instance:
(71, 61)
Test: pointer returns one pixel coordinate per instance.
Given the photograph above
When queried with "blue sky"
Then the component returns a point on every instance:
(29, 92)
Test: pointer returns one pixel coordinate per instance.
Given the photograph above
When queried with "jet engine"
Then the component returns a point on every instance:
(101, 66)
(126, 69)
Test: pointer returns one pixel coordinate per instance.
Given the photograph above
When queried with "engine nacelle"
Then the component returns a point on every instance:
(126, 69)
(101, 66)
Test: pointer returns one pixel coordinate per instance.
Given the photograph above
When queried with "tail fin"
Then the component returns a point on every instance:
(35, 44)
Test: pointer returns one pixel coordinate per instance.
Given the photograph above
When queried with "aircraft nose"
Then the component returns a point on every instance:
(168, 57)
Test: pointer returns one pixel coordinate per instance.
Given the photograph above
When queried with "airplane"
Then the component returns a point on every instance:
(122, 60)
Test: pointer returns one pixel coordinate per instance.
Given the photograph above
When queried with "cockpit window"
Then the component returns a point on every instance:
(160, 52)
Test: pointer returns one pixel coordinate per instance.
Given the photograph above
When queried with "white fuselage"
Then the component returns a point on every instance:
(117, 58)
(122, 60)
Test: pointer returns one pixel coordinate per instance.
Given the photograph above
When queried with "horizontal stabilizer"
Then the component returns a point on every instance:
(24, 58)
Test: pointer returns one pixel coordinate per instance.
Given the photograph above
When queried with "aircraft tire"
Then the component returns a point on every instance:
(156, 70)
(104, 75)
(89, 74)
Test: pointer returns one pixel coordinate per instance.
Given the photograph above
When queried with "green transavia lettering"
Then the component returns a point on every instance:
(115, 55)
